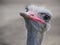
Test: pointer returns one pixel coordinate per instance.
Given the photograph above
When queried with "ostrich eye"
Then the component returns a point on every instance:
(47, 18)
(26, 9)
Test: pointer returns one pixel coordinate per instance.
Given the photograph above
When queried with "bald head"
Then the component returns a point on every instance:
(41, 12)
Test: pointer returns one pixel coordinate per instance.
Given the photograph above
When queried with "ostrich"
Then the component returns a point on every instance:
(37, 20)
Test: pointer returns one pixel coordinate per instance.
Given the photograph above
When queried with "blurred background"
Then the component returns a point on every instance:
(12, 26)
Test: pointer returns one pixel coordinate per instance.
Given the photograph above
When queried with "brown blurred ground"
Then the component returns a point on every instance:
(12, 29)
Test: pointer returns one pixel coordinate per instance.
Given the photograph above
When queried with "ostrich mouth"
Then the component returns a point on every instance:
(34, 17)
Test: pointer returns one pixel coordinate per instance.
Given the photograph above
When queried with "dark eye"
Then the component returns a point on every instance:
(26, 9)
(47, 17)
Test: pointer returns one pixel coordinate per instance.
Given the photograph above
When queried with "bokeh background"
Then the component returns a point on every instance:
(12, 26)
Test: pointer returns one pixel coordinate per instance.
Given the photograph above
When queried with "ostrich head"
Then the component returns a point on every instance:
(41, 12)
